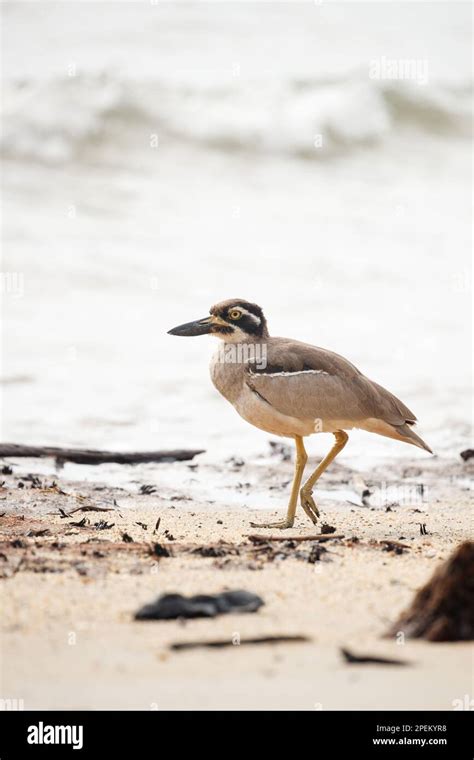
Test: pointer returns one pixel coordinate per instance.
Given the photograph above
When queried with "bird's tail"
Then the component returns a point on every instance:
(402, 432)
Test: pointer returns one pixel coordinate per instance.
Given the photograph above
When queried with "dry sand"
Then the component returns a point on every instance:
(69, 639)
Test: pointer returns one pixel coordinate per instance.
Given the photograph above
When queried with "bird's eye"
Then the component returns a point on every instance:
(235, 314)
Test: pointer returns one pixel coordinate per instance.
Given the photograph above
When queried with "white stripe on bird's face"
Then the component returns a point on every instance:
(253, 317)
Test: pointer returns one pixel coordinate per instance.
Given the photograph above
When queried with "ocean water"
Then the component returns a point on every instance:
(160, 157)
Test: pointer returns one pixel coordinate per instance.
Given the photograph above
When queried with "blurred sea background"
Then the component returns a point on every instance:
(160, 157)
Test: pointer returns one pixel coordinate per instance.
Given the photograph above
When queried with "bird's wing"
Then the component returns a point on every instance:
(307, 382)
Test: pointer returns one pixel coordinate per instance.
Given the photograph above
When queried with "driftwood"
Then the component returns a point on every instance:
(93, 456)
(257, 538)
(443, 609)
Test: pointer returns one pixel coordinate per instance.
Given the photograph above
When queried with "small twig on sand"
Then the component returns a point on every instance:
(93, 456)
(220, 643)
(356, 659)
(315, 537)
(92, 509)
(394, 544)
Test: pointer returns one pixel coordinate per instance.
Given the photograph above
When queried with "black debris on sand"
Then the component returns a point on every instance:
(160, 551)
(173, 606)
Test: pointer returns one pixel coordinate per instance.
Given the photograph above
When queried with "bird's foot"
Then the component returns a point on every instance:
(281, 524)
(309, 505)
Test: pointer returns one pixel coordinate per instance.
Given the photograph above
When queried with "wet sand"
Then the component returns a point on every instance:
(71, 585)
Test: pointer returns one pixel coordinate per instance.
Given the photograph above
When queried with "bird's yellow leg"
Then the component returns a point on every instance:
(300, 462)
(307, 501)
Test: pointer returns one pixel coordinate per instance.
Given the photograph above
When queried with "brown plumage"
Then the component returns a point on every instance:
(322, 385)
(294, 389)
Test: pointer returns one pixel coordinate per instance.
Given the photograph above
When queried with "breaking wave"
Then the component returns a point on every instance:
(56, 120)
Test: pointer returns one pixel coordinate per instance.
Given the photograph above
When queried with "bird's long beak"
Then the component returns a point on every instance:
(199, 327)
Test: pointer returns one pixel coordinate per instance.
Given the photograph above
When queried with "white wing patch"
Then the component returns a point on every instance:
(290, 374)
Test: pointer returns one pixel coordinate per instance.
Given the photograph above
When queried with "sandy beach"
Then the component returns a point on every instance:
(162, 157)
(72, 581)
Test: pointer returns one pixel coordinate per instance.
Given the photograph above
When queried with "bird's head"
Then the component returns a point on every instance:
(233, 320)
